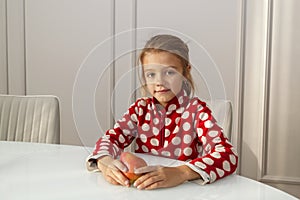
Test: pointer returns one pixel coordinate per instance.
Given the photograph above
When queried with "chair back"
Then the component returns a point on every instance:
(222, 111)
(30, 118)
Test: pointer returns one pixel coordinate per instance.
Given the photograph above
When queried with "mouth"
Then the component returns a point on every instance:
(162, 91)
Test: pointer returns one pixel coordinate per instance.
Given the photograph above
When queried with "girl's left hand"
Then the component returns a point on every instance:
(160, 177)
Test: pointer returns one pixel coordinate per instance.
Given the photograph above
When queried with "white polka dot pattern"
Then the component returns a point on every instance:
(130, 125)
(166, 153)
(216, 155)
(113, 132)
(145, 127)
(121, 138)
(208, 161)
(187, 151)
(177, 152)
(148, 117)
(167, 133)
(200, 164)
(187, 139)
(180, 110)
(166, 143)
(155, 131)
(220, 172)
(232, 159)
(143, 138)
(208, 124)
(186, 126)
(134, 117)
(172, 107)
(176, 140)
(213, 133)
(226, 166)
(199, 132)
(203, 116)
(168, 121)
(184, 130)
(185, 115)
(145, 149)
(213, 176)
(153, 151)
(154, 142)
(126, 132)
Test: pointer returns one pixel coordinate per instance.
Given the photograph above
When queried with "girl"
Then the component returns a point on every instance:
(172, 123)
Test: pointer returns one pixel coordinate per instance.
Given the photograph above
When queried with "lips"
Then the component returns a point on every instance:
(162, 91)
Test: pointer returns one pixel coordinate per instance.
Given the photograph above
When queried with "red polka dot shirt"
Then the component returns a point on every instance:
(184, 130)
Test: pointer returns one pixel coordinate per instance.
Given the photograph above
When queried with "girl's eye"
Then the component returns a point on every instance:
(150, 75)
(170, 72)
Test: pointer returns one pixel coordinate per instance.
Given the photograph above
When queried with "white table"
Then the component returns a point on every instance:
(44, 171)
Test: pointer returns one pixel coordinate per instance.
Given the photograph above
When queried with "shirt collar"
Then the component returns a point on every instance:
(178, 101)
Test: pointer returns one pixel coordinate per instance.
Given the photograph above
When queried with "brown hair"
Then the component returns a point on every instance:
(175, 46)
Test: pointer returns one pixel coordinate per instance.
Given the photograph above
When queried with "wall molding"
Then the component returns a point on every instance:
(239, 90)
(16, 66)
(3, 48)
(280, 179)
(266, 97)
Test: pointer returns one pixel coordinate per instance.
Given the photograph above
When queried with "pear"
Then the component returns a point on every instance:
(132, 162)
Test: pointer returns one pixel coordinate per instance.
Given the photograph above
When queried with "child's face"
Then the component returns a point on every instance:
(163, 75)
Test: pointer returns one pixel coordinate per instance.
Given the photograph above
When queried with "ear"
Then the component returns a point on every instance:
(188, 67)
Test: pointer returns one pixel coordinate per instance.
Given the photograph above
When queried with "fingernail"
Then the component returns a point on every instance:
(127, 182)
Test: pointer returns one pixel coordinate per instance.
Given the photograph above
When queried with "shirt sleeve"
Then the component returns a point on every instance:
(116, 139)
(219, 158)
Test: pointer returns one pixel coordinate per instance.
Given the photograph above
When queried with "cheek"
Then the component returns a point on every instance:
(150, 87)
(176, 84)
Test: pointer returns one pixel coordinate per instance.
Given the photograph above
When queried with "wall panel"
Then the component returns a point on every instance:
(16, 53)
(282, 162)
(60, 34)
(3, 49)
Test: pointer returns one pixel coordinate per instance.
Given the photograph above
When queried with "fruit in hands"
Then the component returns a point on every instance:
(132, 162)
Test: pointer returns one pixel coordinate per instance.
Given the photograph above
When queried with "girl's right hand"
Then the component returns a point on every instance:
(112, 170)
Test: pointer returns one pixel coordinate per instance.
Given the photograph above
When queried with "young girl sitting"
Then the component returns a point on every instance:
(171, 123)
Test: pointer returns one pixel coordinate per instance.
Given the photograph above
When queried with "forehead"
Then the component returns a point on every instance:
(161, 59)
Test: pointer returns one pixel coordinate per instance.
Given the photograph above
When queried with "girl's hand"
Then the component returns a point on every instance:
(112, 170)
(161, 177)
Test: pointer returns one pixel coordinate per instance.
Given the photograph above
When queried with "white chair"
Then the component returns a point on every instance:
(30, 118)
(222, 111)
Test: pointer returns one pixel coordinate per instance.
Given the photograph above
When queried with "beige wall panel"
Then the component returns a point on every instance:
(125, 16)
(59, 36)
(283, 160)
(16, 47)
(3, 56)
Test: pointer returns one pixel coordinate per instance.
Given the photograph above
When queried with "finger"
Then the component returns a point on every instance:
(155, 185)
(146, 169)
(120, 177)
(111, 180)
(150, 182)
(144, 178)
(120, 165)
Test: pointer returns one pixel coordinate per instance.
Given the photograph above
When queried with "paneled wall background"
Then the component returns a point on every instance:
(46, 46)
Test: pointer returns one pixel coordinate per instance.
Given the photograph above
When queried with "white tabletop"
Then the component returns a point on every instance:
(44, 171)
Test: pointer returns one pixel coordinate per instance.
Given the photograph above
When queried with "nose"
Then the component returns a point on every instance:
(159, 80)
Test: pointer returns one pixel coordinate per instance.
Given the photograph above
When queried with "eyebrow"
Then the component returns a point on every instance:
(170, 66)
